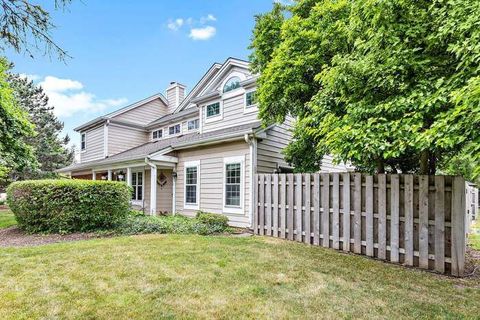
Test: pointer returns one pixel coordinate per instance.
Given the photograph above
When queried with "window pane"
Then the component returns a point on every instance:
(134, 192)
(154, 134)
(232, 83)
(213, 109)
(191, 175)
(171, 130)
(233, 173)
(191, 194)
(251, 98)
(134, 178)
(193, 124)
(160, 132)
(232, 196)
(139, 192)
(140, 176)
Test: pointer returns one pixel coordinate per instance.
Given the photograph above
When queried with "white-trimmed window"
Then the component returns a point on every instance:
(157, 134)
(83, 142)
(137, 185)
(251, 101)
(231, 84)
(175, 129)
(213, 112)
(192, 185)
(233, 184)
(193, 124)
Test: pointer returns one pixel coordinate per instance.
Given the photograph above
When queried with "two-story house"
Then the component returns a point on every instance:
(183, 153)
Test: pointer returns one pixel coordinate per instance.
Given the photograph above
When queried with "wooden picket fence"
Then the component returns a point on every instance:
(414, 220)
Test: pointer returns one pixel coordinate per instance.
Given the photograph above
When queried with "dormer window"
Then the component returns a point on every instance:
(157, 134)
(232, 84)
(83, 143)
(193, 124)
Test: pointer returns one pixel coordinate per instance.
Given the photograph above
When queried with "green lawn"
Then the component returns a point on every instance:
(6, 219)
(175, 276)
(474, 236)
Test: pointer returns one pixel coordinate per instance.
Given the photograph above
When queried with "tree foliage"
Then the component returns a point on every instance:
(50, 148)
(387, 85)
(15, 127)
(26, 27)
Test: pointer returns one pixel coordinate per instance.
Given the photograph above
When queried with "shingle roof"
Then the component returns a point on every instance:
(148, 148)
(173, 116)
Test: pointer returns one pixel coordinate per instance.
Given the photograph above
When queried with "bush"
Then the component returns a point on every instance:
(214, 222)
(204, 224)
(63, 206)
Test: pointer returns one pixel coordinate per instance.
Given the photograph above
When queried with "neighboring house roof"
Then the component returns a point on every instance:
(110, 115)
(180, 142)
(173, 116)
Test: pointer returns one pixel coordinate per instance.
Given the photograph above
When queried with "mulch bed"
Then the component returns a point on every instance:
(14, 237)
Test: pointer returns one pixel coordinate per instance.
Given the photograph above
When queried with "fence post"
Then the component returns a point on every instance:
(458, 226)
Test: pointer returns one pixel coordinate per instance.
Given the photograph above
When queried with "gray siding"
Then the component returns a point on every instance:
(233, 113)
(145, 113)
(328, 166)
(94, 147)
(269, 150)
(211, 179)
(122, 138)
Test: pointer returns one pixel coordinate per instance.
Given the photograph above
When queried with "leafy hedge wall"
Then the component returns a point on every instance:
(64, 206)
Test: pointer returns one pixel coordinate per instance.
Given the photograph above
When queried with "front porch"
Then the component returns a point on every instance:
(153, 182)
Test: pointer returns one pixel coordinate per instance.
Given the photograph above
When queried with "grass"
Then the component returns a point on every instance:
(190, 276)
(474, 236)
(6, 219)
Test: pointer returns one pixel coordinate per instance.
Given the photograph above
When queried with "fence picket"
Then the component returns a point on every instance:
(306, 216)
(275, 205)
(336, 211)
(423, 221)
(268, 203)
(298, 204)
(326, 209)
(357, 216)
(255, 204)
(408, 220)
(440, 224)
(316, 209)
(290, 190)
(382, 216)
(369, 214)
(346, 212)
(395, 218)
(458, 226)
(261, 198)
(283, 197)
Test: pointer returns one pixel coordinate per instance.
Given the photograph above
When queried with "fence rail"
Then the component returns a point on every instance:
(414, 220)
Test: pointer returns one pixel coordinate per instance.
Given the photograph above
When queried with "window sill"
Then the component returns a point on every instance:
(234, 210)
(136, 203)
(213, 119)
(191, 206)
(250, 109)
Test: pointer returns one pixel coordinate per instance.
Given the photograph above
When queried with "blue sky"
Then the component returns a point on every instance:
(123, 51)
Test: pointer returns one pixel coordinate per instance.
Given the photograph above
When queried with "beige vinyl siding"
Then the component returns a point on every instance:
(232, 112)
(212, 179)
(145, 113)
(95, 143)
(328, 166)
(269, 149)
(165, 135)
(164, 194)
(121, 138)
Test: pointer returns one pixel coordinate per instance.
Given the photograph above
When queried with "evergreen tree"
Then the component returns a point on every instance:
(50, 149)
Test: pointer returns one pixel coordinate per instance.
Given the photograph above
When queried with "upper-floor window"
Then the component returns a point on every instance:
(213, 109)
(83, 143)
(250, 99)
(157, 134)
(176, 129)
(193, 124)
(232, 84)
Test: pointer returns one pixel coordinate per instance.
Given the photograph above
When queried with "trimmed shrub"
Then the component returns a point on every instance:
(64, 206)
(214, 222)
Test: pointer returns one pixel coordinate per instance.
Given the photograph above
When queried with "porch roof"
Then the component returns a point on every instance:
(150, 149)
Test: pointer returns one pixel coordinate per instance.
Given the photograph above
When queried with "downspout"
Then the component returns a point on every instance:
(153, 186)
(174, 193)
(252, 142)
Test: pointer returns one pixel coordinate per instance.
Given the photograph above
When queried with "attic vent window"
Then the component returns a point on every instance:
(232, 84)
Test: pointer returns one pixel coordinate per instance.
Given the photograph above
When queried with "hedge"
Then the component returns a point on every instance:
(64, 206)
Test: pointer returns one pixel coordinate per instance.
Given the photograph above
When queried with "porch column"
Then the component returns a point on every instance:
(109, 174)
(153, 189)
(94, 175)
(129, 176)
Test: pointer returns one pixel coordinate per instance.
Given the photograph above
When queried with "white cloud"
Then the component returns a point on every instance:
(175, 24)
(30, 77)
(68, 98)
(204, 33)
(209, 17)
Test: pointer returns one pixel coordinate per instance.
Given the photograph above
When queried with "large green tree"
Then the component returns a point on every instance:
(50, 148)
(387, 85)
(15, 153)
